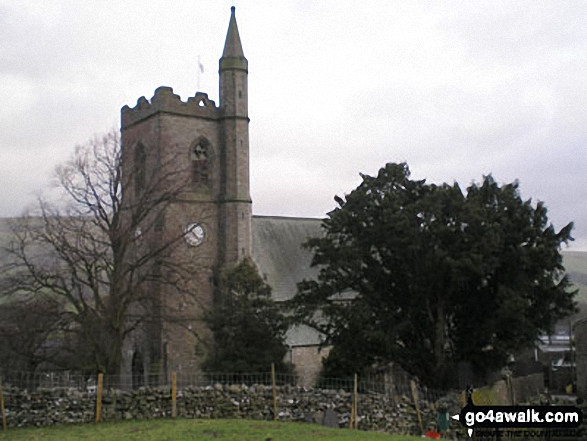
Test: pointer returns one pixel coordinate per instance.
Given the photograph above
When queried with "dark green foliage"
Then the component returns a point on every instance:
(438, 276)
(247, 326)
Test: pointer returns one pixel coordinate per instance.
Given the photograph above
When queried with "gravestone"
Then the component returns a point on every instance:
(330, 418)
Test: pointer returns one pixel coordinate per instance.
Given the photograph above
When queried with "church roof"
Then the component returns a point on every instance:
(278, 252)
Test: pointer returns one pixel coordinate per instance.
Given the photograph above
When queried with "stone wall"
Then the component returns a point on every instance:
(500, 393)
(376, 412)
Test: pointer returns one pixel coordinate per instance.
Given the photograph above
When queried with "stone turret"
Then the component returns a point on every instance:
(235, 199)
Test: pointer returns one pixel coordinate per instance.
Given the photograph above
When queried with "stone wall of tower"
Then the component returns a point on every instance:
(173, 133)
(235, 200)
(169, 129)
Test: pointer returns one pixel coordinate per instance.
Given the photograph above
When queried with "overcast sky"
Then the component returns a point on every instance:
(457, 89)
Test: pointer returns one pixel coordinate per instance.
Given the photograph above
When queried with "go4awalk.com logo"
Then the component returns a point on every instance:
(516, 417)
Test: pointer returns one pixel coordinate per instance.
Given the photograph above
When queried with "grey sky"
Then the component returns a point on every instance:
(457, 89)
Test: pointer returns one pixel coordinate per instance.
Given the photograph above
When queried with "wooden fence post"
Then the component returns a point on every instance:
(356, 401)
(275, 417)
(99, 398)
(415, 397)
(174, 395)
(4, 426)
(510, 386)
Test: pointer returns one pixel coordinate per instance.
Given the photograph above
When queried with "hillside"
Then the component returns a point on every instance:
(575, 262)
(576, 265)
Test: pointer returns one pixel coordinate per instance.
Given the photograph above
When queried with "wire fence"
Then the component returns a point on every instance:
(398, 388)
(87, 382)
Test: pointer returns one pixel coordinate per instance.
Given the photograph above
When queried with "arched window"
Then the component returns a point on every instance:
(200, 162)
(137, 370)
(140, 163)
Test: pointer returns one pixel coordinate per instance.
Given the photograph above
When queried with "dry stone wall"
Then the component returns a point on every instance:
(45, 407)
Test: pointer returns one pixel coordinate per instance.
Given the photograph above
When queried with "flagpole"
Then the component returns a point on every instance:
(198, 70)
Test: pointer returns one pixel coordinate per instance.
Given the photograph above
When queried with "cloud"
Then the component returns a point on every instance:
(335, 88)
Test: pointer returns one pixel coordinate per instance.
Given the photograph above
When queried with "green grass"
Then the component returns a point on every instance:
(184, 429)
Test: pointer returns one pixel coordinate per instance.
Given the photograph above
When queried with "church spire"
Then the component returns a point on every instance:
(233, 56)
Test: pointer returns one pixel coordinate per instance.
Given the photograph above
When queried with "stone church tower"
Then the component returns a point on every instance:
(202, 150)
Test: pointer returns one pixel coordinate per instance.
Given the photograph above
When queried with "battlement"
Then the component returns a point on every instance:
(164, 100)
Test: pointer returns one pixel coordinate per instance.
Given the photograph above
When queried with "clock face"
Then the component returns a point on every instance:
(194, 234)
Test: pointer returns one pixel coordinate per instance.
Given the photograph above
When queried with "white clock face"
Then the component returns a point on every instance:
(194, 234)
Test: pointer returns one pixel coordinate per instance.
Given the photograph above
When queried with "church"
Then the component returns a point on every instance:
(207, 145)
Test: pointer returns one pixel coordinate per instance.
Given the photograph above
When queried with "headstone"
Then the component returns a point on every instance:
(443, 421)
(330, 418)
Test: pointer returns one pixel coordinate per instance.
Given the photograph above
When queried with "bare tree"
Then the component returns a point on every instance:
(93, 255)
(27, 329)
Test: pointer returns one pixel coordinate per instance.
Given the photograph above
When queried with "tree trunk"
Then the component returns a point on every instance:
(440, 343)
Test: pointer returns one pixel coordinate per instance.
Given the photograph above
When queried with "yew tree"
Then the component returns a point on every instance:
(428, 276)
(248, 327)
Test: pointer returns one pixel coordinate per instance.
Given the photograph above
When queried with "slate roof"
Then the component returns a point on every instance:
(278, 252)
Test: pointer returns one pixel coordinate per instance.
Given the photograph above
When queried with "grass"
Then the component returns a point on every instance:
(184, 429)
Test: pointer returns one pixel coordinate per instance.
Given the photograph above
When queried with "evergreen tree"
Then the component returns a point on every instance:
(247, 326)
(436, 276)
